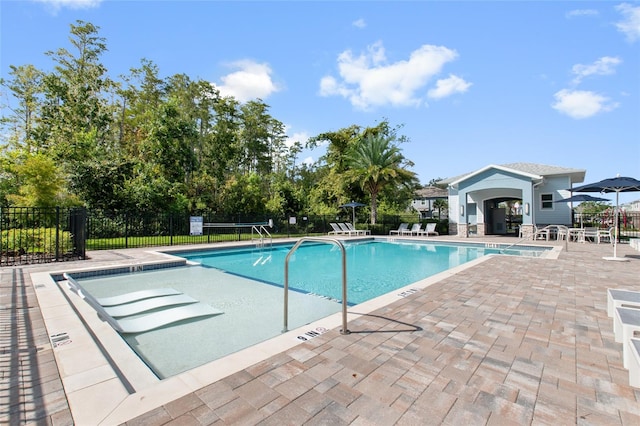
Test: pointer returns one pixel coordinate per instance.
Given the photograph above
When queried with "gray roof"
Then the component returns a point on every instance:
(577, 175)
(432, 192)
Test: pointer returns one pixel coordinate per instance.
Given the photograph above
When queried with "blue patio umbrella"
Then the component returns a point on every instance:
(616, 184)
(579, 198)
(353, 206)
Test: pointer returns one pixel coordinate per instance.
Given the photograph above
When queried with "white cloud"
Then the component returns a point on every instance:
(630, 24)
(448, 86)
(368, 80)
(603, 66)
(301, 137)
(581, 104)
(360, 23)
(71, 4)
(251, 80)
(308, 161)
(581, 12)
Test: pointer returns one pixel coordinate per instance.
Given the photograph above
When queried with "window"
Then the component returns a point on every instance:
(546, 201)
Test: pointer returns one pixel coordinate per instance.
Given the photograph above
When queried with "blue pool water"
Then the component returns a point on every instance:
(374, 267)
(247, 285)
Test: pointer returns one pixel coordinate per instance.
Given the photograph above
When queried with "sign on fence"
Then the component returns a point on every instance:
(196, 224)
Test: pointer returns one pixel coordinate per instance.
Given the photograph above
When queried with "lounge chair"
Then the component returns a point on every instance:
(336, 229)
(145, 305)
(165, 317)
(145, 322)
(346, 230)
(350, 226)
(124, 298)
(403, 226)
(416, 228)
(622, 299)
(430, 229)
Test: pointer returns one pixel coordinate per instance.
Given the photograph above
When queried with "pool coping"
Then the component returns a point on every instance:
(99, 394)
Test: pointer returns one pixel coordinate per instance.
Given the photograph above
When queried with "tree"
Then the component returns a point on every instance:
(26, 87)
(440, 204)
(375, 163)
(41, 184)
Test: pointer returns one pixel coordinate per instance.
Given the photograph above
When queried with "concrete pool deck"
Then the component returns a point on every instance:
(508, 340)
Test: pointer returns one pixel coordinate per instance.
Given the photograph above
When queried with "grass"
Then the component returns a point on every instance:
(150, 241)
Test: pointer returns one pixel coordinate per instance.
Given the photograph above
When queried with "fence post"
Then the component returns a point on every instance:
(57, 234)
(170, 229)
(126, 230)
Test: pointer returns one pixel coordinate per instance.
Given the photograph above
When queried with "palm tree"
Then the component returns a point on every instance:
(376, 162)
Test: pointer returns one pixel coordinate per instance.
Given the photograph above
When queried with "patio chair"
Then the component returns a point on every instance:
(605, 235)
(541, 233)
(562, 233)
(591, 234)
(403, 226)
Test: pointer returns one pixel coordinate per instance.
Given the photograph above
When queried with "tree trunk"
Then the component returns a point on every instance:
(374, 207)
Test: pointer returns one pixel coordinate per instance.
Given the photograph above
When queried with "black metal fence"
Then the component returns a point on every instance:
(628, 222)
(41, 235)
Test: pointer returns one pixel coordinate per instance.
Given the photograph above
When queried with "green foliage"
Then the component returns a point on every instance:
(35, 240)
(75, 136)
(41, 185)
(376, 163)
(593, 207)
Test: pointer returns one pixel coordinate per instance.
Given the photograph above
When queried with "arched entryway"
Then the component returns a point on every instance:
(503, 216)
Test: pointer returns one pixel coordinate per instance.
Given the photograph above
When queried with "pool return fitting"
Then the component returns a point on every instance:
(344, 329)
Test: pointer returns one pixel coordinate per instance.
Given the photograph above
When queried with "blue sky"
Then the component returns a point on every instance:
(473, 83)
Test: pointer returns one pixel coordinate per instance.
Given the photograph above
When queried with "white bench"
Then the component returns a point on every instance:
(632, 361)
(622, 298)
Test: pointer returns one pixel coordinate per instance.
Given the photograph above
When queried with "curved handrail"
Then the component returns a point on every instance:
(344, 329)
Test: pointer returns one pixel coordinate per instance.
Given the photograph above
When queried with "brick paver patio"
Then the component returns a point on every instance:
(509, 341)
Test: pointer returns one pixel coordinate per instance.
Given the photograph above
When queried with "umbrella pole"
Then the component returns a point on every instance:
(617, 228)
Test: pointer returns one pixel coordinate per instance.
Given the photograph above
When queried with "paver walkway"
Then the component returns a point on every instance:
(509, 341)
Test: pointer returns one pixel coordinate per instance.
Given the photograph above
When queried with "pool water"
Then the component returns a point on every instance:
(374, 268)
(247, 285)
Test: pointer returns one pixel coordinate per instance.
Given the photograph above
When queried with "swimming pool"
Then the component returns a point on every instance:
(233, 280)
(374, 267)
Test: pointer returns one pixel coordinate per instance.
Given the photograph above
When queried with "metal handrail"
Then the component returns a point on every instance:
(344, 329)
(254, 228)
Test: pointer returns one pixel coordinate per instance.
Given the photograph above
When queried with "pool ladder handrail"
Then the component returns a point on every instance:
(260, 230)
(344, 329)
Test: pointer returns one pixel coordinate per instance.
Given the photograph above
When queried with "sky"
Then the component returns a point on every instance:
(471, 83)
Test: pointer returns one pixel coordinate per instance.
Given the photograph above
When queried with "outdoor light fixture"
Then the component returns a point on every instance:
(461, 210)
(526, 209)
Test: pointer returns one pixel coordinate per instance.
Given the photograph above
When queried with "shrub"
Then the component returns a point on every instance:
(35, 240)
